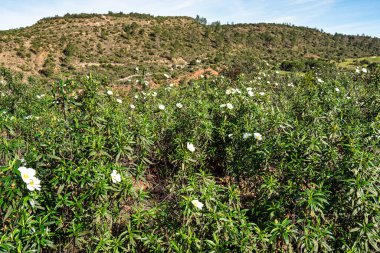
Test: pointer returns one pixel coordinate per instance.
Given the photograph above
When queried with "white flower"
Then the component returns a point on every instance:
(364, 70)
(222, 105)
(116, 177)
(261, 93)
(132, 106)
(137, 68)
(119, 101)
(28, 117)
(179, 105)
(357, 70)
(246, 135)
(190, 147)
(320, 80)
(230, 135)
(249, 88)
(34, 184)
(27, 174)
(290, 84)
(337, 89)
(228, 91)
(40, 96)
(257, 136)
(229, 106)
(154, 94)
(161, 107)
(109, 92)
(197, 204)
(250, 93)
(348, 97)
(136, 96)
(167, 76)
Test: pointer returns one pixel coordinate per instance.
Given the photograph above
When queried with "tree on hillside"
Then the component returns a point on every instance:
(201, 20)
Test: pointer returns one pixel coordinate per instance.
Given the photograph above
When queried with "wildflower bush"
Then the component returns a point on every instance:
(273, 162)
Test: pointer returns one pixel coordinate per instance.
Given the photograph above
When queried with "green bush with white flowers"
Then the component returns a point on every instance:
(273, 162)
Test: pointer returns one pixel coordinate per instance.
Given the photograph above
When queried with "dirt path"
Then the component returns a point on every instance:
(126, 79)
(89, 64)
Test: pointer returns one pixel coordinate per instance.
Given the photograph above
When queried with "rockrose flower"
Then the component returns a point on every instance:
(116, 177)
(246, 135)
(229, 106)
(34, 184)
(257, 136)
(27, 174)
(197, 204)
(190, 147)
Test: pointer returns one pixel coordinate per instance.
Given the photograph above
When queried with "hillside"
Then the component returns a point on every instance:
(121, 45)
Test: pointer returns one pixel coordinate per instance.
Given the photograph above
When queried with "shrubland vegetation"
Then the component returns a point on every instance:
(268, 162)
(116, 43)
(274, 146)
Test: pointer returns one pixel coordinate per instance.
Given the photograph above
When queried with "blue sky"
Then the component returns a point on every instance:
(342, 16)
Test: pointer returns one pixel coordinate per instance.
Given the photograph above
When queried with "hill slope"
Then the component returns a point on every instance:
(116, 44)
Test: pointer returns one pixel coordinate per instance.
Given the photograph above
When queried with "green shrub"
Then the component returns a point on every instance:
(273, 162)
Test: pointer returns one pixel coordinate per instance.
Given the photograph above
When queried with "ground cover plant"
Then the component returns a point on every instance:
(271, 162)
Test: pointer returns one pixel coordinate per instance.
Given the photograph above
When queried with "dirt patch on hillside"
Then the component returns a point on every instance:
(124, 89)
(39, 60)
(196, 75)
(11, 61)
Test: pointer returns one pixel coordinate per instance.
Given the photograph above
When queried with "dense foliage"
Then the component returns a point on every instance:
(277, 162)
